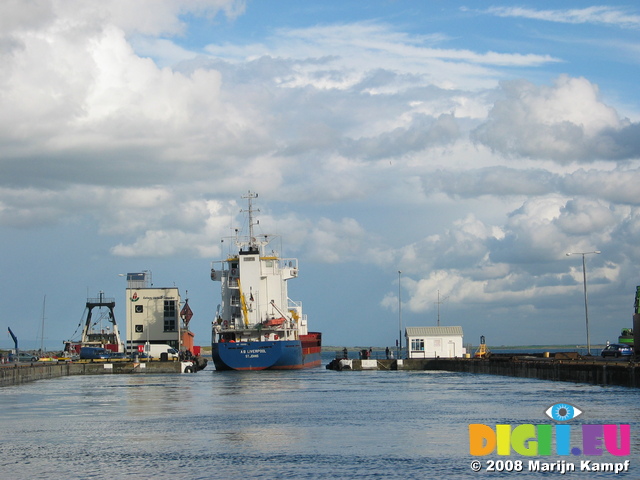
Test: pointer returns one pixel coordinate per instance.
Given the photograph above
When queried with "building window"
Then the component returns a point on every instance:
(417, 344)
(170, 316)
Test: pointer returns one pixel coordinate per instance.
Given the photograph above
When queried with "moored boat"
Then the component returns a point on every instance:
(97, 332)
(257, 326)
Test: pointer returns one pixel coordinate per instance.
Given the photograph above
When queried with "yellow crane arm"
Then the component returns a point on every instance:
(243, 304)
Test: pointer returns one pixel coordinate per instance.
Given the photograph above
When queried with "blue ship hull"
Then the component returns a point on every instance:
(275, 355)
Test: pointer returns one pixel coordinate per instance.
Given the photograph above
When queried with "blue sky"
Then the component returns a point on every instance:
(470, 145)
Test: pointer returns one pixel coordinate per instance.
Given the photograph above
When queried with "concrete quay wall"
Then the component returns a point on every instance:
(18, 374)
(23, 373)
(596, 372)
(578, 371)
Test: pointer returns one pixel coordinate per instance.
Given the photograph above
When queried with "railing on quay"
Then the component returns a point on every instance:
(364, 354)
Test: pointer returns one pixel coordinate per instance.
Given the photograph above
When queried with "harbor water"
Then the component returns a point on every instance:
(314, 423)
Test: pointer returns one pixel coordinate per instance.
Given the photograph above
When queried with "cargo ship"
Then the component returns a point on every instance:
(257, 326)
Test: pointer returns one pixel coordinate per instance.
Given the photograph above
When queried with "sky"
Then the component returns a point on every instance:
(467, 145)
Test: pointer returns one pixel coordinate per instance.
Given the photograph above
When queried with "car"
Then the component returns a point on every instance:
(94, 353)
(117, 356)
(616, 350)
(22, 357)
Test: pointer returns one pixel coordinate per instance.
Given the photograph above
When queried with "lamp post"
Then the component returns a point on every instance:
(586, 308)
(147, 345)
(129, 330)
(399, 318)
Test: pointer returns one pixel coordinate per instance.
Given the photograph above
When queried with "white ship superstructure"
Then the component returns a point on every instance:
(256, 310)
(255, 304)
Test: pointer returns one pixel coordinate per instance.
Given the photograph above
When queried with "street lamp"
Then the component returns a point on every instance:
(399, 318)
(128, 342)
(586, 308)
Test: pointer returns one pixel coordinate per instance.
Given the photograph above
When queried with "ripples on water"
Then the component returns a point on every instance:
(305, 424)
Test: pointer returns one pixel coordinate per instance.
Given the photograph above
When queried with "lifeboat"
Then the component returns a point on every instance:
(274, 322)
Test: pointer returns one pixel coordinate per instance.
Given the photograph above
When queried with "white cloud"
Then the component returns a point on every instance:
(603, 15)
(148, 17)
(341, 57)
(383, 147)
(378, 39)
(616, 186)
(520, 262)
(566, 122)
(581, 216)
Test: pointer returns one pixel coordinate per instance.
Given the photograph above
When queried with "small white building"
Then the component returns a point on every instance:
(433, 342)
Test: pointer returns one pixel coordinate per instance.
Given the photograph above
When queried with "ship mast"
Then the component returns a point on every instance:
(253, 244)
(44, 300)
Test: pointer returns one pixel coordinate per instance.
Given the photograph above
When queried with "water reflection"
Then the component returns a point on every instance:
(160, 398)
(317, 423)
(256, 383)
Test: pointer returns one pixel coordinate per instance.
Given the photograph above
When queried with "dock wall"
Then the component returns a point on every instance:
(17, 374)
(579, 371)
(23, 373)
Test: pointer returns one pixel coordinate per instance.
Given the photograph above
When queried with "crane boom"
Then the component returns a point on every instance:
(15, 339)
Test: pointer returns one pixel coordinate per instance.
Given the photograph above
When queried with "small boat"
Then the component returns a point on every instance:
(257, 326)
(102, 332)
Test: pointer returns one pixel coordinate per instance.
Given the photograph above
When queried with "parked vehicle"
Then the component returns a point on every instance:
(157, 350)
(22, 357)
(616, 350)
(94, 353)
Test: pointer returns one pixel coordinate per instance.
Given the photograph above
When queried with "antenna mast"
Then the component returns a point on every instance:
(252, 240)
(439, 302)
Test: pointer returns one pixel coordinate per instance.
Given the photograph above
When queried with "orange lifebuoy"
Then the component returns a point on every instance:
(275, 337)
